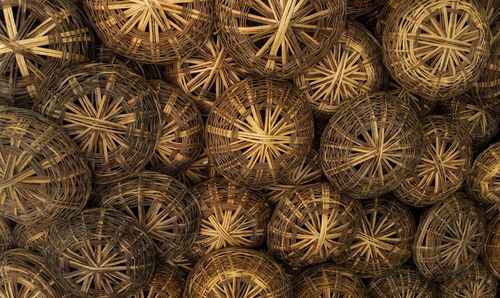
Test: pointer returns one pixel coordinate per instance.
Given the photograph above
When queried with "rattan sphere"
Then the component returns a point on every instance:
(280, 39)
(328, 280)
(487, 86)
(312, 224)
(383, 241)
(110, 112)
(44, 178)
(181, 139)
(99, 253)
(491, 252)
(168, 282)
(371, 145)
(31, 237)
(38, 38)
(424, 56)
(422, 107)
(164, 208)
(258, 131)
(199, 171)
(352, 68)
(232, 216)
(159, 31)
(5, 235)
(474, 282)
(405, 282)
(444, 165)
(238, 272)
(449, 237)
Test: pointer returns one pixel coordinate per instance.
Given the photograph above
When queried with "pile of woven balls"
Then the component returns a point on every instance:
(249, 148)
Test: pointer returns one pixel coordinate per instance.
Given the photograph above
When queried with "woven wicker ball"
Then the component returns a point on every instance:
(232, 216)
(238, 272)
(422, 107)
(475, 281)
(328, 280)
(110, 112)
(404, 282)
(444, 165)
(5, 235)
(182, 262)
(31, 237)
(38, 38)
(43, 177)
(181, 139)
(356, 8)
(491, 252)
(280, 39)
(352, 68)
(371, 145)
(199, 171)
(487, 86)
(449, 237)
(164, 208)
(99, 253)
(258, 131)
(312, 224)
(168, 282)
(425, 56)
(159, 31)
(383, 241)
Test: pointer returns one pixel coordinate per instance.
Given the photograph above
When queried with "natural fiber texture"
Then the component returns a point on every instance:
(383, 241)
(164, 208)
(232, 216)
(159, 31)
(109, 111)
(356, 8)
(280, 39)
(491, 252)
(99, 253)
(436, 48)
(258, 131)
(181, 262)
(352, 68)
(43, 176)
(328, 280)
(237, 272)
(199, 171)
(181, 138)
(38, 38)
(444, 166)
(406, 282)
(422, 107)
(167, 282)
(487, 86)
(449, 237)
(31, 237)
(474, 282)
(312, 224)
(6, 238)
(371, 145)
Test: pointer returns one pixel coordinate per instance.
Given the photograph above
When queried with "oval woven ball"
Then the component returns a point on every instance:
(422, 107)
(110, 112)
(487, 86)
(312, 224)
(44, 178)
(328, 280)
(491, 252)
(449, 237)
(168, 282)
(424, 55)
(6, 238)
(31, 237)
(371, 145)
(279, 39)
(404, 282)
(238, 272)
(383, 241)
(258, 131)
(475, 281)
(232, 216)
(199, 171)
(353, 67)
(159, 31)
(38, 38)
(443, 167)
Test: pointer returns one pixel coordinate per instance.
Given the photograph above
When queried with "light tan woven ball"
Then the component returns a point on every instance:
(483, 182)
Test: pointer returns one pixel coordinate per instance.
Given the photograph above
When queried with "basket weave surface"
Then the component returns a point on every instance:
(167, 282)
(475, 281)
(30, 237)
(491, 253)
(422, 107)
(405, 282)
(487, 87)
(200, 170)
(484, 179)
(5, 235)
(356, 8)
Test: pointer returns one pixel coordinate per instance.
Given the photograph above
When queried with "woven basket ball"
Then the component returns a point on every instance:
(181, 138)
(31, 237)
(352, 68)
(404, 282)
(202, 169)
(158, 31)
(232, 216)
(44, 177)
(449, 237)
(444, 165)
(168, 282)
(38, 38)
(383, 241)
(491, 252)
(475, 281)
(422, 107)
(110, 112)
(328, 280)
(424, 55)
(99, 253)
(258, 131)
(238, 272)
(487, 86)
(280, 39)
(371, 145)
(5, 235)
(312, 224)
(164, 208)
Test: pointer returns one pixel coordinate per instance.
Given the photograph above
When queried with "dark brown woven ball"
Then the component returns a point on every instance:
(371, 145)
(168, 282)
(238, 272)
(491, 252)
(159, 31)
(475, 281)
(404, 282)
(258, 131)
(43, 175)
(31, 237)
(487, 86)
(110, 112)
(422, 107)
(483, 182)
(280, 39)
(202, 169)
(6, 238)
